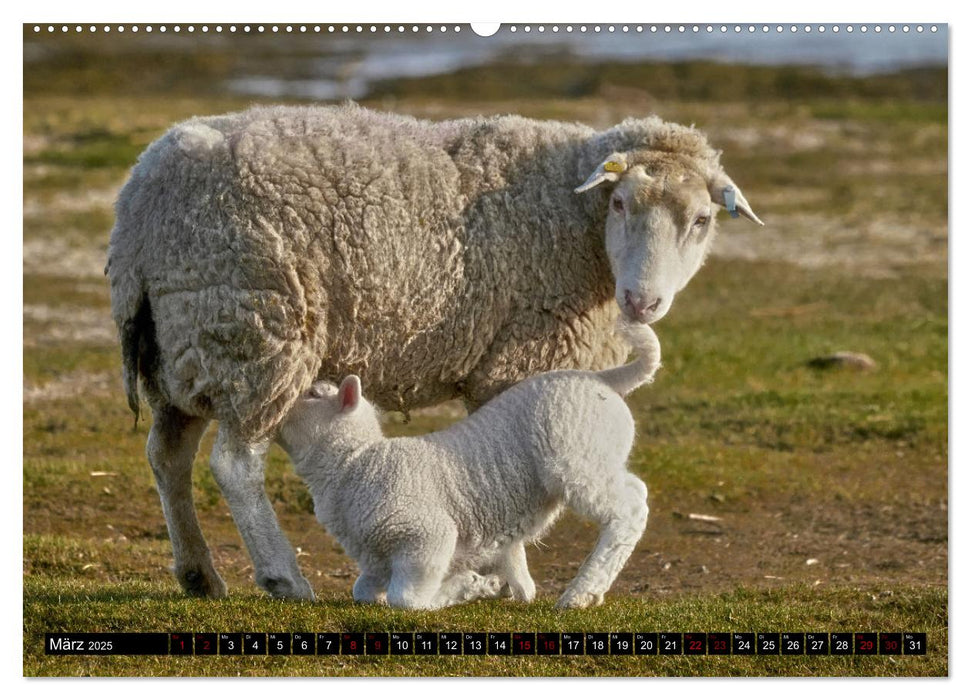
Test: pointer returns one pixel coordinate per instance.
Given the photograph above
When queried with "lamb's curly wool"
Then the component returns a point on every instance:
(256, 252)
(442, 518)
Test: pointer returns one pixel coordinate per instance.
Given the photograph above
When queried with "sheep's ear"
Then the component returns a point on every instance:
(608, 171)
(349, 393)
(726, 193)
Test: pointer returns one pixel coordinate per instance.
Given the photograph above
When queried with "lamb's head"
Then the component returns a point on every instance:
(329, 415)
(660, 223)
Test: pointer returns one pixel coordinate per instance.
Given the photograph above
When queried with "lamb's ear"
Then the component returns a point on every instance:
(349, 393)
(608, 171)
(726, 193)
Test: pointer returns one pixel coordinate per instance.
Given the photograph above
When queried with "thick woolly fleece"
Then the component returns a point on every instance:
(256, 252)
(443, 518)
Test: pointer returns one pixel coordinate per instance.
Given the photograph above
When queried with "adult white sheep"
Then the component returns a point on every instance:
(256, 252)
(429, 519)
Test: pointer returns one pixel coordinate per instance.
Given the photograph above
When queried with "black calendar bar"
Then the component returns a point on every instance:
(415, 644)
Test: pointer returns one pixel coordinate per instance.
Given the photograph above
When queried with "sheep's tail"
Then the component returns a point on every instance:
(132, 313)
(626, 378)
(132, 332)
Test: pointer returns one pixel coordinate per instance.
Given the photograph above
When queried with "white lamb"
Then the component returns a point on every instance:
(443, 518)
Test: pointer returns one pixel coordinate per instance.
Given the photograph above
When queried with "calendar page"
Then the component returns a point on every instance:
(432, 349)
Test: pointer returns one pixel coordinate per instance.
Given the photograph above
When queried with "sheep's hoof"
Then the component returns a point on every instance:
(198, 584)
(579, 601)
(287, 589)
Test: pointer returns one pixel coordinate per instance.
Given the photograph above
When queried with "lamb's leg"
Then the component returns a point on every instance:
(415, 584)
(372, 585)
(172, 444)
(467, 586)
(513, 567)
(238, 469)
(622, 514)
(417, 572)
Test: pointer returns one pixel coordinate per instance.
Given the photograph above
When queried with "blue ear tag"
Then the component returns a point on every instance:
(729, 193)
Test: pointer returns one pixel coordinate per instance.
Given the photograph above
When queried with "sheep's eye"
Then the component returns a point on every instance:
(701, 221)
(618, 204)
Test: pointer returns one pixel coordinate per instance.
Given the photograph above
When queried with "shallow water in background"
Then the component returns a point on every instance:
(350, 62)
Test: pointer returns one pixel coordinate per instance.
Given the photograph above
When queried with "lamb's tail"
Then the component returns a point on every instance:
(626, 378)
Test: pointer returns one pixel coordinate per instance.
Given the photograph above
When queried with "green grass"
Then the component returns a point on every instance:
(43, 364)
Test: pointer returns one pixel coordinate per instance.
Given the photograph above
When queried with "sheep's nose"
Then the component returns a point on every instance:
(639, 306)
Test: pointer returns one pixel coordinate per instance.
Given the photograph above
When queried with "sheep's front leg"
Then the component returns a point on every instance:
(238, 469)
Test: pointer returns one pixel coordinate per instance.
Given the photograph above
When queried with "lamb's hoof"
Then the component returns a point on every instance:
(287, 589)
(492, 586)
(198, 583)
(479, 586)
(524, 593)
(376, 599)
(579, 601)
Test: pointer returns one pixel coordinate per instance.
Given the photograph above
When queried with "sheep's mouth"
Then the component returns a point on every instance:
(645, 315)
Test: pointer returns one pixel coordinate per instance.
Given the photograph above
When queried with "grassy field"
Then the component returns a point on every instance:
(830, 485)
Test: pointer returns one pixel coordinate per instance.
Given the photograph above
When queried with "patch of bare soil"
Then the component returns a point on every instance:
(875, 248)
(75, 385)
(780, 542)
(73, 325)
(68, 201)
(60, 257)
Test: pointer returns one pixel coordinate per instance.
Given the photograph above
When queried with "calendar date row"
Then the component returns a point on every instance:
(488, 643)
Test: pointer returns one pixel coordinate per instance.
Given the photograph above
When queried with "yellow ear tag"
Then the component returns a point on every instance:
(612, 166)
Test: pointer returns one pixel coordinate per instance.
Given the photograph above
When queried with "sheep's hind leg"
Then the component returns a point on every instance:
(172, 444)
(238, 469)
(621, 509)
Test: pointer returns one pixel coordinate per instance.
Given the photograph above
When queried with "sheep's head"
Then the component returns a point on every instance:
(326, 414)
(660, 223)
